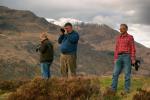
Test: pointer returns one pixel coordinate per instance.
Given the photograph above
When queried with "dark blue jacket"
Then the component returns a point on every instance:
(69, 42)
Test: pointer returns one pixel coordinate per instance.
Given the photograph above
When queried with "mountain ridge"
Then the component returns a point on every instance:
(19, 59)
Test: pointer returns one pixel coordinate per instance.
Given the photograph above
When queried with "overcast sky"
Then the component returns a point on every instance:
(111, 12)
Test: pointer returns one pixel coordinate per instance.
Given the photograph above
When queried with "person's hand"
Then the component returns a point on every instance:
(115, 61)
(133, 61)
(41, 39)
(42, 36)
(65, 31)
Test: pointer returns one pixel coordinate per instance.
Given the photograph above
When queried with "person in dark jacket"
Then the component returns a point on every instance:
(46, 55)
(68, 41)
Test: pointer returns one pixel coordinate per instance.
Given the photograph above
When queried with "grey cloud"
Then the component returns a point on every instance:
(86, 10)
(111, 12)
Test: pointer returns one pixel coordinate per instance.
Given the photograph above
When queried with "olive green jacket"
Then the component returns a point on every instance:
(46, 51)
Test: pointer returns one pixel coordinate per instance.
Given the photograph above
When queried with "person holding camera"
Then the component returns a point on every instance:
(68, 41)
(46, 55)
(124, 57)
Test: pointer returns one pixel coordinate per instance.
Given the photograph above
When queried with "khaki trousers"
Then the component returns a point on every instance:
(68, 64)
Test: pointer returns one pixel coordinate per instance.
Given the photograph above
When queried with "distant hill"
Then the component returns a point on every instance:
(23, 21)
(101, 39)
(19, 36)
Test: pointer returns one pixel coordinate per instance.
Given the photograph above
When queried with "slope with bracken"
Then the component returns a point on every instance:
(19, 36)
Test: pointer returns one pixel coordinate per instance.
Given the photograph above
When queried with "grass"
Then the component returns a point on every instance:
(137, 82)
(7, 86)
(80, 88)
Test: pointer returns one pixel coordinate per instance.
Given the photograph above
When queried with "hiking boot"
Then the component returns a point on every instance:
(110, 91)
(124, 93)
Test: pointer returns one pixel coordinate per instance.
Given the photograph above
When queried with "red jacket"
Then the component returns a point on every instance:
(125, 44)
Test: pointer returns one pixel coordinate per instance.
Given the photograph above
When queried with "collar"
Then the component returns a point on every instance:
(71, 32)
(124, 35)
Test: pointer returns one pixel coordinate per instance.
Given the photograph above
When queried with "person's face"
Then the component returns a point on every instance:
(68, 29)
(43, 36)
(123, 29)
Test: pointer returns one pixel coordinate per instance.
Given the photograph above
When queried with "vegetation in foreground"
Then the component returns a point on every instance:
(78, 88)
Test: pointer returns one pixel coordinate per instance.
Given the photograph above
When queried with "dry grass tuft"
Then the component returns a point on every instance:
(142, 95)
(77, 88)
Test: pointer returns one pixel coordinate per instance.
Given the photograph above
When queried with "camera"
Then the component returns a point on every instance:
(62, 30)
(137, 64)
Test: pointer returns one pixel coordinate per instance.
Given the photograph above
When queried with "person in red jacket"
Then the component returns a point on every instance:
(124, 56)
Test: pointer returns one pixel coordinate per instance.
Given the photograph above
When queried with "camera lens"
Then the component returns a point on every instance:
(62, 30)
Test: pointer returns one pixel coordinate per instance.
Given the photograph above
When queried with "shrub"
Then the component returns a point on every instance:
(110, 95)
(142, 95)
(11, 85)
(77, 88)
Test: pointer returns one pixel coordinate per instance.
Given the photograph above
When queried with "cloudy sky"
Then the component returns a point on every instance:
(111, 12)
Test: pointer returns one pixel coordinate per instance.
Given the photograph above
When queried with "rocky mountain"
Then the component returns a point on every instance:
(19, 36)
(101, 38)
(23, 21)
(62, 21)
